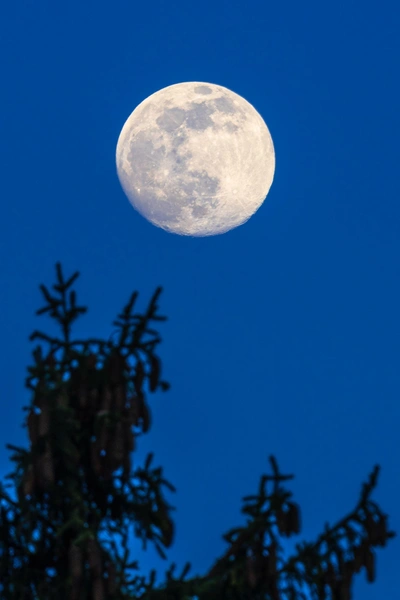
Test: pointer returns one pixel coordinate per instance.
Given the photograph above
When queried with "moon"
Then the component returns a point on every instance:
(195, 159)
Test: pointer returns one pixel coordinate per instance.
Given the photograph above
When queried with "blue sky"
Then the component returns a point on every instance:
(283, 334)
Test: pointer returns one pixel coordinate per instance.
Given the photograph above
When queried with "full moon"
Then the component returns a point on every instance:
(195, 159)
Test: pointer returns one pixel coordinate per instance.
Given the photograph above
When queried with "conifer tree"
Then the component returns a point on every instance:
(76, 481)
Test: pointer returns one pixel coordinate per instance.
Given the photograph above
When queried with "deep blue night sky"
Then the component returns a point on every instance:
(282, 335)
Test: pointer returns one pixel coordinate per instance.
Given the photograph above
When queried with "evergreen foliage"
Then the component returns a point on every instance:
(77, 481)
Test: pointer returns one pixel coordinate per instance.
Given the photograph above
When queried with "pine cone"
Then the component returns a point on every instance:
(33, 424)
(47, 467)
(29, 481)
(369, 563)
(117, 366)
(75, 559)
(294, 518)
(282, 521)
(75, 593)
(44, 421)
(94, 558)
(98, 589)
(251, 572)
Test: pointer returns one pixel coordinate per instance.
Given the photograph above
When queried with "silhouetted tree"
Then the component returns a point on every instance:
(76, 482)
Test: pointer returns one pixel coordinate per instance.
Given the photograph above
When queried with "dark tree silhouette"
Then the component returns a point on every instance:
(76, 482)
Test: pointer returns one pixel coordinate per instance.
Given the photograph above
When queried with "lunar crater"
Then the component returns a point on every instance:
(195, 159)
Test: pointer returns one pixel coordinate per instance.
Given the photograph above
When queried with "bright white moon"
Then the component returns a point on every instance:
(195, 159)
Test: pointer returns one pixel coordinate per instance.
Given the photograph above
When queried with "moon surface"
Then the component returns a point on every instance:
(195, 159)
